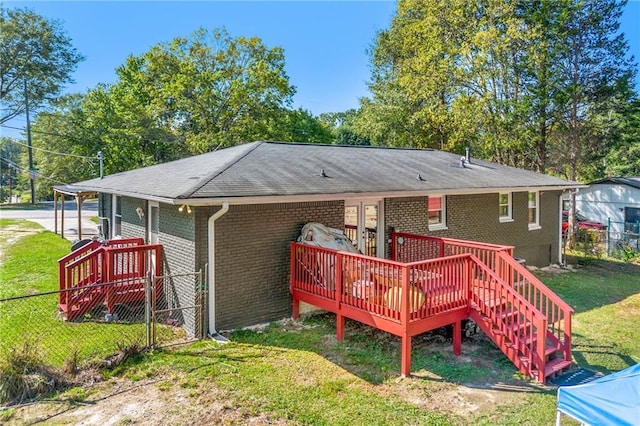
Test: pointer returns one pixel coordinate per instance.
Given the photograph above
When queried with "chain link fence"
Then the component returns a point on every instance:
(94, 325)
(623, 245)
(180, 315)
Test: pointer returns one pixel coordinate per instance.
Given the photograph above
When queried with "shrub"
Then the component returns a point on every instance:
(24, 374)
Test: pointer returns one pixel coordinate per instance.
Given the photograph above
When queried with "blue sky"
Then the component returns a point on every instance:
(325, 42)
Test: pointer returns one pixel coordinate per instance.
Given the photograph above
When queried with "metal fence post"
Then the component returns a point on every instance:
(199, 307)
(147, 308)
(608, 236)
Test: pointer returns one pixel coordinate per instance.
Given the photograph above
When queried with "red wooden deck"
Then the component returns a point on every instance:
(438, 282)
(109, 274)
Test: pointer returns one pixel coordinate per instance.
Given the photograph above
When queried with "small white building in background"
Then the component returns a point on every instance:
(615, 199)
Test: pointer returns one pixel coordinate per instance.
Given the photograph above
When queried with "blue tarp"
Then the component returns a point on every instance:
(610, 400)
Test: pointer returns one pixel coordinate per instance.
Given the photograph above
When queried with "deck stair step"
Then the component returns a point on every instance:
(518, 327)
(555, 366)
(508, 315)
(550, 350)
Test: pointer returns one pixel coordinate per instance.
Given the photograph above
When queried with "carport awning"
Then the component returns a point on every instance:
(80, 194)
(73, 190)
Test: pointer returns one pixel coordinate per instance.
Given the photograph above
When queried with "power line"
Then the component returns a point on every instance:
(53, 152)
(24, 129)
(22, 169)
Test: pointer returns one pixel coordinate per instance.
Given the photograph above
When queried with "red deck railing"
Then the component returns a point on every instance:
(434, 282)
(514, 324)
(557, 311)
(404, 299)
(112, 273)
(406, 247)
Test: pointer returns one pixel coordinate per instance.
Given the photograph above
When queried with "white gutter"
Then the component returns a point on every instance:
(212, 266)
(561, 260)
(270, 199)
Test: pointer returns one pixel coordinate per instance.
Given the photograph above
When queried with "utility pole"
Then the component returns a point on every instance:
(29, 150)
(101, 160)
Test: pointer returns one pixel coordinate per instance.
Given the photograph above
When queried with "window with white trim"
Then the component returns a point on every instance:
(504, 207)
(437, 212)
(533, 208)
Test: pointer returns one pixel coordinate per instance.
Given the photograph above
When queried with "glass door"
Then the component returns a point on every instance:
(361, 224)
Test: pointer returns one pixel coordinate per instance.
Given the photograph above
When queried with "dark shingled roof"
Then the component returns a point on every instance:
(633, 181)
(268, 169)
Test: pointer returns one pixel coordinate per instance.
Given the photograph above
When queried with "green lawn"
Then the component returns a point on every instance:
(299, 373)
(296, 371)
(29, 267)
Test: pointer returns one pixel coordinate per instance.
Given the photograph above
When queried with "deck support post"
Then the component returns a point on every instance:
(405, 364)
(295, 308)
(457, 337)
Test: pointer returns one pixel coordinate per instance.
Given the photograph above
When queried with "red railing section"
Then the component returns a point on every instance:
(514, 324)
(70, 258)
(119, 265)
(433, 282)
(500, 260)
(557, 311)
(406, 247)
(402, 298)
(378, 285)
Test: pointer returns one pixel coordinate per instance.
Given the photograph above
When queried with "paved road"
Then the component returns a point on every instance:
(44, 215)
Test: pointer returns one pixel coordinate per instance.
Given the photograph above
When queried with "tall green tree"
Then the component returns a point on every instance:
(34, 51)
(180, 98)
(65, 144)
(342, 127)
(211, 90)
(415, 76)
(530, 84)
(624, 158)
(597, 80)
(299, 125)
(10, 168)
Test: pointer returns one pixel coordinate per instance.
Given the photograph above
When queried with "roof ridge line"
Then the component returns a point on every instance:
(214, 175)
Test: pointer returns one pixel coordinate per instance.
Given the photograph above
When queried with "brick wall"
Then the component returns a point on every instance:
(252, 243)
(177, 236)
(252, 258)
(475, 217)
(404, 215)
(132, 225)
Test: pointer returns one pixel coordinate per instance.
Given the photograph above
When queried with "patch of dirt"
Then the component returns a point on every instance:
(11, 234)
(427, 391)
(151, 402)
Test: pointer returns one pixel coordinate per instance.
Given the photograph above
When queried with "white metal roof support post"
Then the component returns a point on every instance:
(212, 265)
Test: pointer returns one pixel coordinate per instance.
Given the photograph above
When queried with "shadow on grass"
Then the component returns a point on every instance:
(596, 283)
(374, 355)
(583, 351)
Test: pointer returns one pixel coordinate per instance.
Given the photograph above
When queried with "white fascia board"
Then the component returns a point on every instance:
(272, 199)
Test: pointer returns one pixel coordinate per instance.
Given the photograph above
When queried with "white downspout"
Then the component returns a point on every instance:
(561, 260)
(212, 266)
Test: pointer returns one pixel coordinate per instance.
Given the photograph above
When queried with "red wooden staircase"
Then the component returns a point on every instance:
(522, 316)
(527, 336)
(110, 274)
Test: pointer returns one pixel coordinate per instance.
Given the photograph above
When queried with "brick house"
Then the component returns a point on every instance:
(237, 209)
